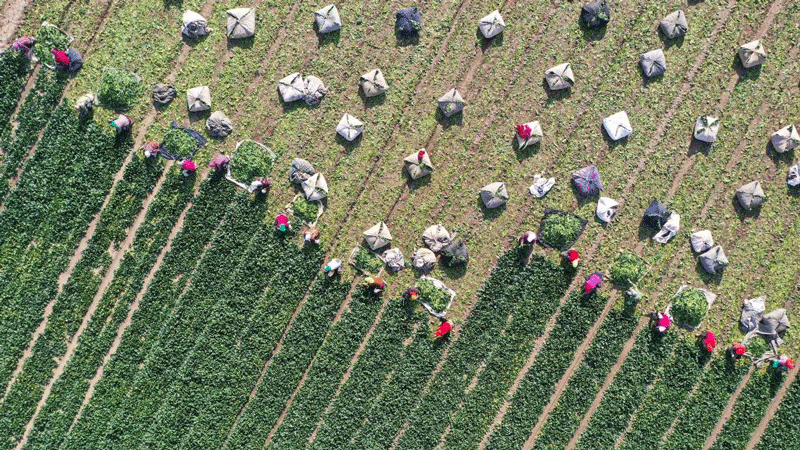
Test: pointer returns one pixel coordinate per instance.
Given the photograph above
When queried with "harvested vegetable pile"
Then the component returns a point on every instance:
(119, 89)
(689, 307)
(250, 161)
(179, 142)
(305, 210)
(49, 38)
(627, 268)
(560, 230)
(366, 261)
(433, 296)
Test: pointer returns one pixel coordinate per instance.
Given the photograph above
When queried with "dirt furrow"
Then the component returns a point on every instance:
(349, 370)
(773, 408)
(12, 16)
(726, 413)
(342, 308)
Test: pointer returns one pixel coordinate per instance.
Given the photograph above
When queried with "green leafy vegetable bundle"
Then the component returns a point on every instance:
(560, 230)
(304, 209)
(251, 160)
(689, 307)
(119, 89)
(179, 142)
(627, 268)
(49, 38)
(365, 260)
(433, 296)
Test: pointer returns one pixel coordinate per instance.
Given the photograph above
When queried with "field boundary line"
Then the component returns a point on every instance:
(342, 308)
(26, 90)
(755, 438)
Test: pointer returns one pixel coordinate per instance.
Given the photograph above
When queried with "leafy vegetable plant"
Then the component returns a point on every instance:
(689, 307)
(627, 268)
(119, 89)
(304, 209)
(559, 230)
(433, 296)
(251, 160)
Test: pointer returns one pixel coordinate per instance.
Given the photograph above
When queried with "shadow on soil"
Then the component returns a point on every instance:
(554, 96)
(526, 152)
(667, 42)
(486, 44)
(698, 146)
(707, 278)
(612, 144)
(324, 39)
(490, 213)
(456, 119)
(752, 73)
(369, 102)
(348, 146)
(778, 158)
(591, 34)
(742, 213)
(244, 44)
(455, 271)
(406, 39)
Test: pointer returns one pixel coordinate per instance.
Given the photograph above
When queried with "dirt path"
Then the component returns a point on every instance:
(11, 18)
(726, 413)
(342, 308)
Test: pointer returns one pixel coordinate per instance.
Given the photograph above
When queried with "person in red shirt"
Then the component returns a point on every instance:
(61, 59)
(188, 167)
(444, 328)
(573, 257)
(376, 283)
(709, 341)
(282, 223)
(737, 350)
(662, 321)
(592, 284)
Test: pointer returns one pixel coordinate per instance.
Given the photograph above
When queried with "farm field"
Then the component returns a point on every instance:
(144, 308)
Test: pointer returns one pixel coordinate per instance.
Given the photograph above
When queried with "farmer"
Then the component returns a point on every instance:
(312, 235)
(220, 163)
(260, 186)
(25, 45)
(573, 257)
(188, 166)
(333, 267)
(85, 106)
(282, 223)
(528, 238)
(592, 284)
(151, 149)
(61, 60)
(737, 350)
(412, 294)
(121, 124)
(784, 363)
(709, 340)
(444, 328)
(662, 321)
(376, 283)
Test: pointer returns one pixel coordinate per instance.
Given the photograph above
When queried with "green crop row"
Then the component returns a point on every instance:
(395, 399)
(300, 346)
(268, 323)
(782, 429)
(535, 390)
(748, 409)
(221, 369)
(665, 399)
(705, 405)
(34, 114)
(13, 72)
(140, 176)
(622, 397)
(36, 211)
(510, 313)
(180, 332)
(586, 381)
(381, 355)
(208, 210)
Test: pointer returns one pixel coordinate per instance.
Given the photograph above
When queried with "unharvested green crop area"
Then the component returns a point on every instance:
(141, 308)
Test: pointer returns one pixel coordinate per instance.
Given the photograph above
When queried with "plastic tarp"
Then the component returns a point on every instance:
(373, 83)
(241, 23)
(198, 99)
(292, 87)
(455, 253)
(492, 24)
(669, 230)
(560, 77)
(194, 25)
(793, 176)
(785, 139)
(751, 196)
(714, 260)
(541, 185)
(606, 209)
(300, 170)
(315, 187)
(494, 194)
(595, 14)
(587, 181)
(408, 21)
(706, 129)
(315, 89)
(536, 135)
(656, 215)
(451, 103)
(164, 93)
(674, 25)
(418, 167)
(423, 259)
(349, 127)
(752, 54)
(653, 63)
(770, 325)
(378, 236)
(394, 260)
(752, 311)
(701, 241)
(328, 19)
(618, 126)
(218, 124)
(436, 237)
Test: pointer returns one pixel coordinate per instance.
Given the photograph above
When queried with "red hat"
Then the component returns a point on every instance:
(789, 364)
(524, 131)
(61, 57)
(572, 255)
(189, 165)
(421, 155)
